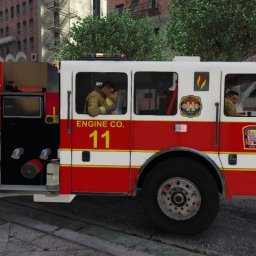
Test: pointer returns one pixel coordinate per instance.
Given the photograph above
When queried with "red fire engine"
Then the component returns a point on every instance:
(171, 137)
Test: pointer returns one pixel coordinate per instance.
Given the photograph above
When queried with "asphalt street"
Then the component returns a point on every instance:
(120, 222)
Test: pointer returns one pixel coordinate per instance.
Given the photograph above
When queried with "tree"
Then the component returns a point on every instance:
(214, 30)
(115, 33)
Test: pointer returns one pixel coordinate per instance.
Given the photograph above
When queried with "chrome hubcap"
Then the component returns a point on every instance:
(179, 198)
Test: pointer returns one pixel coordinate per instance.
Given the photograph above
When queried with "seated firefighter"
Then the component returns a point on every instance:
(96, 103)
(231, 99)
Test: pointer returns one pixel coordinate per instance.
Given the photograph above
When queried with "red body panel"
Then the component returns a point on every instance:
(112, 180)
(52, 103)
(81, 131)
(156, 136)
(65, 179)
(241, 183)
(65, 171)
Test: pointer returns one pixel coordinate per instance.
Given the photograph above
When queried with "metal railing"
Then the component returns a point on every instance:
(149, 8)
(62, 8)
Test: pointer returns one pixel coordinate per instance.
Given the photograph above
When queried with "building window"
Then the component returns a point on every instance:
(1, 15)
(7, 49)
(24, 25)
(152, 4)
(30, 5)
(7, 31)
(31, 24)
(12, 12)
(19, 45)
(24, 8)
(1, 50)
(1, 32)
(25, 45)
(120, 8)
(31, 42)
(6, 14)
(18, 10)
(18, 28)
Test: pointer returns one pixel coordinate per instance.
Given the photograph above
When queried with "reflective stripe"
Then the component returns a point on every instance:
(111, 158)
(138, 158)
(244, 161)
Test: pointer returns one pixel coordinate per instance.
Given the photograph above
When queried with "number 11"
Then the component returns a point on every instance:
(105, 135)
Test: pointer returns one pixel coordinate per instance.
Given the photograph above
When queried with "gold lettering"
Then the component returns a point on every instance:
(91, 123)
(78, 124)
(119, 124)
(116, 124)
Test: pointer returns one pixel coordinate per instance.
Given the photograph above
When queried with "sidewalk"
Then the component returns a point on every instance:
(26, 232)
(23, 241)
(22, 236)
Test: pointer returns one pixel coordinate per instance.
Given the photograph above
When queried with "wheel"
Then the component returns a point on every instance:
(180, 196)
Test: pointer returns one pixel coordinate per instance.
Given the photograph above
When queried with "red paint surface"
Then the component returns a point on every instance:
(154, 135)
(241, 183)
(51, 103)
(65, 179)
(100, 180)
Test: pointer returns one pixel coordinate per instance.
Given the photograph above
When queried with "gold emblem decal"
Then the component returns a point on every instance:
(190, 106)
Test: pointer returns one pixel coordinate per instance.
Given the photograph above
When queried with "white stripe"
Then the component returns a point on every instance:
(111, 158)
(244, 161)
(65, 157)
(122, 158)
(215, 158)
(103, 158)
(139, 158)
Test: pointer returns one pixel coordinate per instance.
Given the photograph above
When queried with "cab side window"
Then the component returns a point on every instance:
(87, 82)
(155, 93)
(240, 95)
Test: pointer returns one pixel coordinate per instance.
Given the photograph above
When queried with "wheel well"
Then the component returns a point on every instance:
(187, 154)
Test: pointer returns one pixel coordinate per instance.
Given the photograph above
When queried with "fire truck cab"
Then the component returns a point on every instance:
(171, 135)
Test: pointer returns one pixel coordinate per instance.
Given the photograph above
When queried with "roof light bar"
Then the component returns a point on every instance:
(104, 56)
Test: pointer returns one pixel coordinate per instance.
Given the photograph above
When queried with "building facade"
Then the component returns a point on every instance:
(18, 31)
(157, 10)
(31, 29)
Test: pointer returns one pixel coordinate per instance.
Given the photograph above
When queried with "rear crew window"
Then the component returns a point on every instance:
(240, 95)
(155, 93)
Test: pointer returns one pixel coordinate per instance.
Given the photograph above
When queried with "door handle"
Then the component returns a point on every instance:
(68, 113)
(86, 156)
(232, 159)
(217, 124)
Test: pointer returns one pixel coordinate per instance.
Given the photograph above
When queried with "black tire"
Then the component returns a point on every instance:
(189, 195)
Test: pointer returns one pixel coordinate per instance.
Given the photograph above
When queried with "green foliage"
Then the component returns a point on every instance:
(214, 30)
(115, 33)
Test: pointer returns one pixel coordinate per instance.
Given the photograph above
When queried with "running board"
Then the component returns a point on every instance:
(21, 190)
(54, 199)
